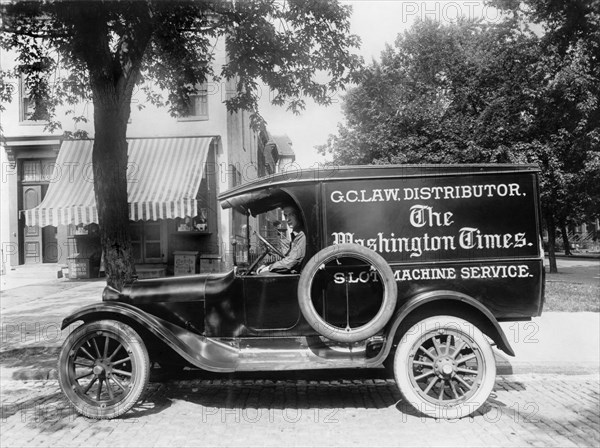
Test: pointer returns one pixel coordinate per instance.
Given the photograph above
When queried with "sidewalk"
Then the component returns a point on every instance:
(28, 274)
(556, 342)
(588, 255)
(31, 317)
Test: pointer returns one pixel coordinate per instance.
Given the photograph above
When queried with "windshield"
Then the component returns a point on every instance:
(270, 225)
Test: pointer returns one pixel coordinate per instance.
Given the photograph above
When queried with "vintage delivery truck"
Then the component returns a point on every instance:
(408, 267)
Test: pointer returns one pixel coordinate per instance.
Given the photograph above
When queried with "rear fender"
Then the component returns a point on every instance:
(427, 304)
(205, 353)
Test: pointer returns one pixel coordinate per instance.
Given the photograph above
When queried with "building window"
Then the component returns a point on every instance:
(32, 171)
(26, 104)
(26, 108)
(197, 108)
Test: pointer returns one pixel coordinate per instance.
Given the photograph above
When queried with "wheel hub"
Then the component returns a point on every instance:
(444, 367)
(102, 368)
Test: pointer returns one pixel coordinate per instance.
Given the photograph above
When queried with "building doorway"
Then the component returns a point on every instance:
(39, 244)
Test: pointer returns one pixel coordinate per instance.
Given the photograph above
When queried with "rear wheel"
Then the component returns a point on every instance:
(103, 368)
(445, 367)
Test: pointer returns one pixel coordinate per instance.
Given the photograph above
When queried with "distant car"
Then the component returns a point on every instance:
(407, 267)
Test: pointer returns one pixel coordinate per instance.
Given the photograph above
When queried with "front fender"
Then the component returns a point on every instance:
(200, 351)
(492, 328)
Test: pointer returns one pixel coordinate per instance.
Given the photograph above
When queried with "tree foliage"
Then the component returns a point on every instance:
(170, 45)
(476, 92)
(100, 50)
(442, 94)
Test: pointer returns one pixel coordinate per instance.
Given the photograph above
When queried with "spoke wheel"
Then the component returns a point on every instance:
(103, 368)
(445, 367)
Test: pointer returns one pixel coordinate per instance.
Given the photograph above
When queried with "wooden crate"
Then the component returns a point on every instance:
(210, 265)
(186, 263)
(79, 268)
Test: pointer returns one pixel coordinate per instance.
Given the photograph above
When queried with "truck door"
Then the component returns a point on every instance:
(271, 302)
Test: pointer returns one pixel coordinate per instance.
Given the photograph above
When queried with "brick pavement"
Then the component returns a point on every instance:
(524, 410)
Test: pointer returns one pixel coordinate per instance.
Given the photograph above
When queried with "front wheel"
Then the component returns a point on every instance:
(445, 367)
(103, 368)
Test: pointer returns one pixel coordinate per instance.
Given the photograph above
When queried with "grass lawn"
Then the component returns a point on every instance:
(566, 296)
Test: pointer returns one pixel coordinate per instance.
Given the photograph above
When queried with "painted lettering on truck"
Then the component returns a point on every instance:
(451, 273)
(436, 218)
(426, 193)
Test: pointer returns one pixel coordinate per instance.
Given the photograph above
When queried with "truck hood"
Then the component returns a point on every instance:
(176, 289)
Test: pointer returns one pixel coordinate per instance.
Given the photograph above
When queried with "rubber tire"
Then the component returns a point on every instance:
(139, 359)
(367, 330)
(402, 374)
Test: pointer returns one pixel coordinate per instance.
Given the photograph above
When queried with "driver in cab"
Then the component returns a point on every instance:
(293, 258)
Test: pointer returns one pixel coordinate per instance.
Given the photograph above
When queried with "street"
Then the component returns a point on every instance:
(525, 410)
(548, 395)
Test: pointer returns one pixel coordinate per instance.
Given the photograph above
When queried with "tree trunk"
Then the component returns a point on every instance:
(551, 242)
(110, 184)
(565, 238)
(113, 72)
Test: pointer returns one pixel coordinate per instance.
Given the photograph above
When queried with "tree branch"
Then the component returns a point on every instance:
(34, 35)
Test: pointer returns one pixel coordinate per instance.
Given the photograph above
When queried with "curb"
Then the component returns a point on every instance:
(550, 368)
(576, 256)
(503, 368)
(34, 374)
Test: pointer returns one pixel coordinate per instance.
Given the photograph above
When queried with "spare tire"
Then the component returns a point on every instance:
(362, 254)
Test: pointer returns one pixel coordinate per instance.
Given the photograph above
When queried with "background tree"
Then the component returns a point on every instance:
(108, 47)
(567, 120)
(473, 92)
(442, 94)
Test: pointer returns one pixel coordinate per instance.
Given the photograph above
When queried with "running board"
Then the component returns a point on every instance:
(283, 353)
(299, 353)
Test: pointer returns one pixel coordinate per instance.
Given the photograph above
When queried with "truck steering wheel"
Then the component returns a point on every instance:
(269, 248)
(269, 245)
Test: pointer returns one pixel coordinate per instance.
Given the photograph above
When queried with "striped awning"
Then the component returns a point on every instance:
(163, 176)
